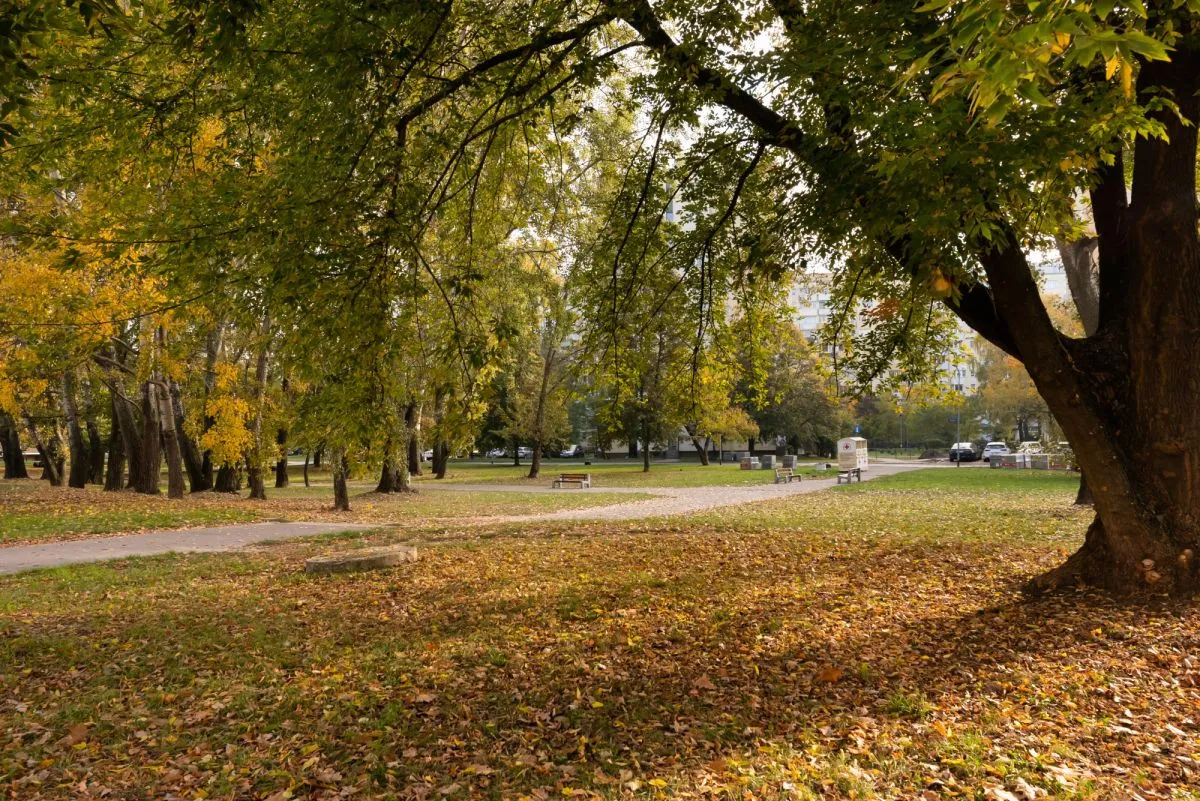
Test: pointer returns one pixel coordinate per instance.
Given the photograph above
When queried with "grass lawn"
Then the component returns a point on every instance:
(614, 474)
(30, 511)
(822, 646)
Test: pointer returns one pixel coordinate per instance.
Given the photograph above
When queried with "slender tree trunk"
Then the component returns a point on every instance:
(341, 491)
(516, 453)
(193, 462)
(281, 466)
(412, 422)
(14, 457)
(114, 476)
(306, 467)
(539, 412)
(318, 454)
(170, 439)
(131, 438)
(80, 464)
(212, 353)
(701, 446)
(151, 441)
(254, 459)
(95, 444)
(441, 446)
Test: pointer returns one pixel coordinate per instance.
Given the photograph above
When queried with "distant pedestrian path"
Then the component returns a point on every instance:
(667, 501)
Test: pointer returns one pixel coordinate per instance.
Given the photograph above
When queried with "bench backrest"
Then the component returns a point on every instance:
(575, 477)
(783, 471)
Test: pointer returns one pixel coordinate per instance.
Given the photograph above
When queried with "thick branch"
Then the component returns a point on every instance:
(1109, 207)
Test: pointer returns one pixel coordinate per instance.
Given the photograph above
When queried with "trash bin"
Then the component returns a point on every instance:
(768, 462)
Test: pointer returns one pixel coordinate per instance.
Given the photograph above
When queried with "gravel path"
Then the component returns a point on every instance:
(668, 501)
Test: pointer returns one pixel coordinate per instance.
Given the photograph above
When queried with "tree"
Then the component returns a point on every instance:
(953, 139)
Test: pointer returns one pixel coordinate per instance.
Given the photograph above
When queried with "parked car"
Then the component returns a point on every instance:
(427, 456)
(525, 452)
(995, 449)
(497, 453)
(963, 452)
(571, 452)
(1031, 446)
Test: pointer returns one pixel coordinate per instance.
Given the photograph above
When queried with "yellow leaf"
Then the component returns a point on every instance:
(1110, 67)
(1127, 78)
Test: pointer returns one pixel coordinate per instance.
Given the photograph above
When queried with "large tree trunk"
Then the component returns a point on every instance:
(80, 465)
(14, 458)
(341, 490)
(1126, 397)
(114, 475)
(393, 477)
(193, 462)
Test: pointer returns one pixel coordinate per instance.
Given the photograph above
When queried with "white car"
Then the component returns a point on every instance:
(995, 449)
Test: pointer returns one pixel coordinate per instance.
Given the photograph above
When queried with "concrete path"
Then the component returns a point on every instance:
(667, 501)
(686, 500)
(195, 540)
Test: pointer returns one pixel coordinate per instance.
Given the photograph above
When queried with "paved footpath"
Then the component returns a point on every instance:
(667, 501)
(193, 540)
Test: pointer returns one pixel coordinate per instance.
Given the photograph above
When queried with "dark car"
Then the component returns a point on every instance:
(963, 452)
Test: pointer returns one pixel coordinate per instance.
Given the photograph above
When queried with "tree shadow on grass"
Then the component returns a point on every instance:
(555, 667)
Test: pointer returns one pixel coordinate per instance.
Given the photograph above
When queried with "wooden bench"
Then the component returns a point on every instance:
(785, 475)
(583, 480)
(849, 475)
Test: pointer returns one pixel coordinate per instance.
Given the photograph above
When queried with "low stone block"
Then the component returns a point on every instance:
(364, 559)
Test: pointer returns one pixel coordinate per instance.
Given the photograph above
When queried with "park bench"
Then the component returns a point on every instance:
(785, 475)
(583, 480)
(849, 475)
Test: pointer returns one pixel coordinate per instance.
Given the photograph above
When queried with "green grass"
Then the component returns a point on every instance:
(616, 474)
(80, 521)
(857, 643)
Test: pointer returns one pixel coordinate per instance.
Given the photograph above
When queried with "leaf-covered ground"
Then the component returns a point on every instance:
(31, 511)
(862, 643)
